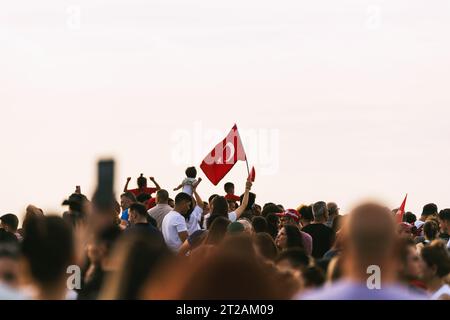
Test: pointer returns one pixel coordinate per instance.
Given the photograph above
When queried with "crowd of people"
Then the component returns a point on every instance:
(148, 245)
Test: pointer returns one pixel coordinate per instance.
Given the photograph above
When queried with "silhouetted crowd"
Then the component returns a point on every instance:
(225, 246)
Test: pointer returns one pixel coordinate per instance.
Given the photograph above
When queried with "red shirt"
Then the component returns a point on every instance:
(232, 197)
(137, 192)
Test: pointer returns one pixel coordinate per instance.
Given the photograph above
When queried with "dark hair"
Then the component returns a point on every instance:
(409, 217)
(306, 212)
(9, 250)
(296, 257)
(7, 237)
(313, 277)
(294, 238)
(139, 208)
(211, 198)
(191, 172)
(143, 197)
(403, 245)
(430, 229)
(11, 221)
(251, 200)
(267, 247)
(228, 186)
(272, 224)
(220, 209)
(48, 246)
(129, 196)
(436, 254)
(429, 209)
(181, 197)
(217, 231)
(75, 202)
(259, 224)
(108, 237)
(142, 181)
(337, 223)
(163, 195)
(444, 215)
(140, 254)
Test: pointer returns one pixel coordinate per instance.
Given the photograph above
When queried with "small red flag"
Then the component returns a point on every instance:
(223, 157)
(252, 175)
(401, 210)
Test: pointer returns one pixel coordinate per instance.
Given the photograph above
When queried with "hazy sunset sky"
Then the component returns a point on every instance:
(336, 100)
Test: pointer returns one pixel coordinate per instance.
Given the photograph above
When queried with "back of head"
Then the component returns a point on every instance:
(162, 196)
(108, 237)
(369, 235)
(270, 208)
(444, 215)
(333, 209)
(48, 247)
(436, 255)
(320, 211)
(266, 246)
(229, 187)
(142, 181)
(130, 196)
(217, 231)
(139, 209)
(191, 172)
(11, 221)
(259, 224)
(409, 217)
(430, 229)
(182, 197)
(221, 274)
(138, 255)
(429, 209)
(293, 237)
(7, 237)
(306, 212)
(296, 257)
(251, 200)
(272, 224)
(219, 208)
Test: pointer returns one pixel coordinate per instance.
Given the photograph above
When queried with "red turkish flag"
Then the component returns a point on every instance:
(401, 210)
(223, 157)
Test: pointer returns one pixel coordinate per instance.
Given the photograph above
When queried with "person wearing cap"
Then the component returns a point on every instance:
(76, 212)
(292, 216)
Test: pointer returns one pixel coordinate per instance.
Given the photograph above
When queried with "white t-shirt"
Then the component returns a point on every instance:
(418, 224)
(173, 224)
(188, 185)
(194, 220)
(232, 216)
(444, 290)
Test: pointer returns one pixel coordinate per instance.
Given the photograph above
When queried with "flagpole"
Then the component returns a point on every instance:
(246, 161)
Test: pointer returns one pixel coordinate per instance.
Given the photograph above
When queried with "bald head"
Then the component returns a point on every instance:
(370, 238)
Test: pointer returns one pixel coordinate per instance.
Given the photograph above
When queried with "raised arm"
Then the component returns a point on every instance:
(239, 211)
(198, 199)
(125, 189)
(152, 179)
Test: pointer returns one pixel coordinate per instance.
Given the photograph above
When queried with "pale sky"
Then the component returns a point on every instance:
(336, 100)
